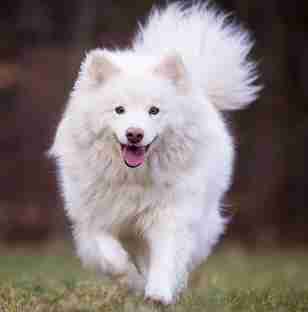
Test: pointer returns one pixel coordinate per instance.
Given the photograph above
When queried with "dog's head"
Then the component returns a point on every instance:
(134, 107)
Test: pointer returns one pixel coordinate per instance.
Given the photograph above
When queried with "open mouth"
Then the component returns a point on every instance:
(134, 155)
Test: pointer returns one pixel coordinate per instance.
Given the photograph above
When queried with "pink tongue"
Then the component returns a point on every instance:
(134, 156)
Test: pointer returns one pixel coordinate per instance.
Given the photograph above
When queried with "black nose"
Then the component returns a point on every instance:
(134, 135)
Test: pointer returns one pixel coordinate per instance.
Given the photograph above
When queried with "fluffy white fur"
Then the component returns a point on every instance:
(148, 227)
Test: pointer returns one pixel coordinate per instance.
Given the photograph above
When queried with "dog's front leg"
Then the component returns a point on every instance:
(170, 254)
(104, 251)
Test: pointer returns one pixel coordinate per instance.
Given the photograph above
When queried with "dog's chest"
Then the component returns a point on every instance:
(125, 198)
(127, 205)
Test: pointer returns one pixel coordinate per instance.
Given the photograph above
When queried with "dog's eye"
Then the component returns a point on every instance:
(153, 110)
(120, 110)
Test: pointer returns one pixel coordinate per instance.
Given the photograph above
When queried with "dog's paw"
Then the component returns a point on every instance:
(159, 295)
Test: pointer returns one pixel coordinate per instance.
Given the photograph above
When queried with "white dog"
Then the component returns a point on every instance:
(144, 153)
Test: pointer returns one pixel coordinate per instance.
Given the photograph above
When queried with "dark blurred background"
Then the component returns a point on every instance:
(41, 46)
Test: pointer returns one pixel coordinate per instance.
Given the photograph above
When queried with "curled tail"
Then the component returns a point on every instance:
(214, 51)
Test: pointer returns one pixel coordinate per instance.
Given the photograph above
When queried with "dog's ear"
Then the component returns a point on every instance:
(172, 67)
(97, 68)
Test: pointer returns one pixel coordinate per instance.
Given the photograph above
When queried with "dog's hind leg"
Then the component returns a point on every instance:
(138, 250)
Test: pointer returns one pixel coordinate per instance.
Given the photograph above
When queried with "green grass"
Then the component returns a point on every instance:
(232, 280)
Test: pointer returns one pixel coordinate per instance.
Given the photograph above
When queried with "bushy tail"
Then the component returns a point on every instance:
(214, 51)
